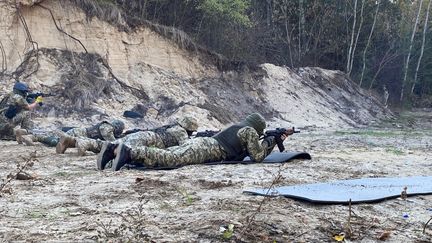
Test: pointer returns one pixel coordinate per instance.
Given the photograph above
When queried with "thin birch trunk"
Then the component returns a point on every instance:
(422, 47)
(352, 39)
(300, 33)
(357, 37)
(368, 43)
(285, 11)
(409, 52)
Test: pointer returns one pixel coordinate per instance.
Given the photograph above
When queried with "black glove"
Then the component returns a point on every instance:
(270, 140)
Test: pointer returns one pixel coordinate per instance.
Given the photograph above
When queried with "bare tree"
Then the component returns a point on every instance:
(348, 70)
(284, 9)
(300, 32)
(422, 47)
(388, 57)
(357, 37)
(368, 42)
(409, 51)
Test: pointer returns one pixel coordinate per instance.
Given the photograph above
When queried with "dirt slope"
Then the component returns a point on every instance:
(100, 70)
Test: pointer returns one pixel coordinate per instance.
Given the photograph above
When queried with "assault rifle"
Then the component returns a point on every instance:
(32, 97)
(135, 130)
(206, 133)
(277, 133)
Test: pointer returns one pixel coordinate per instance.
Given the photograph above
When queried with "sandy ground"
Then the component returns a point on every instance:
(69, 200)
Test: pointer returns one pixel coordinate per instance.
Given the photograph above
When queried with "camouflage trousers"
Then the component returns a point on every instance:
(144, 138)
(194, 151)
(7, 125)
(77, 132)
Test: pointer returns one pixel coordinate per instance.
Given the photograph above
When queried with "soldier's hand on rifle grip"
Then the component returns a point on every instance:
(39, 99)
(289, 131)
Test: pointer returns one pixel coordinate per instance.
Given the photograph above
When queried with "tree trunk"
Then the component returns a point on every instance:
(409, 52)
(287, 32)
(368, 43)
(422, 47)
(300, 32)
(357, 37)
(348, 71)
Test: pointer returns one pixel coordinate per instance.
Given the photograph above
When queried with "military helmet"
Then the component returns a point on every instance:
(118, 127)
(20, 88)
(189, 123)
(256, 121)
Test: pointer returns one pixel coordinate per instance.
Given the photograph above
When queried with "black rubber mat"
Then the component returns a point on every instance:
(366, 190)
(274, 157)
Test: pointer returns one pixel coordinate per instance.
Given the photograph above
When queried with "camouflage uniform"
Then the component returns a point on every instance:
(142, 138)
(233, 143)
(21, 118)
(94, 145)
(76, 137)
(162, 137)
(201, 150)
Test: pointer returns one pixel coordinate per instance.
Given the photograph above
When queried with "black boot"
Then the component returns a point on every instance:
(106, 155)
(122, 157)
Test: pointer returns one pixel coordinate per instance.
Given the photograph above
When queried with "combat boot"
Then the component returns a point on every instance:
(123, 157)
(65, 142)
(19, 135)
(81, 147)
(106, 155)
(27, 140)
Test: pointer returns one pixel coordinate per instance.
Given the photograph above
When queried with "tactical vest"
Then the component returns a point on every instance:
(167, 138)
(230, 142)
(93, 132)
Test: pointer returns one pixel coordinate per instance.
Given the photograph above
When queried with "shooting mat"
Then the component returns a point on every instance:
(366, 190)
(272, 158)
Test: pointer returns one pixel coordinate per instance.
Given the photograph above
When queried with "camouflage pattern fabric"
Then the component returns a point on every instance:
(106, 130)
(88, 144)
(77, 132)
(138, 139)
(200, 150)
(22, 118)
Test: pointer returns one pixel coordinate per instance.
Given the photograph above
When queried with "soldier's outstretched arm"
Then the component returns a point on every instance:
(257, 150)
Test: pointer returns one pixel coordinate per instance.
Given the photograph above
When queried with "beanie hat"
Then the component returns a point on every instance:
(256, 121)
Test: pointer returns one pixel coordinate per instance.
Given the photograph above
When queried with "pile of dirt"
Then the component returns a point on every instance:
(99, 71)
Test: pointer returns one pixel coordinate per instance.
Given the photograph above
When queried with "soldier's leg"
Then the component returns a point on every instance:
(195, 151)
(77, 132)
(48, 139)
(24, 119)
(144, 138)
(87, 144)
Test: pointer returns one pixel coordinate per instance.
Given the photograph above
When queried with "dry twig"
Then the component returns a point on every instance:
(276, 179)
(424, 227)
(28, 162)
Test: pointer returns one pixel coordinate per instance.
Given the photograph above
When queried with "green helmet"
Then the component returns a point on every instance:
(189, 123)
(256, 121)
(118, 127)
